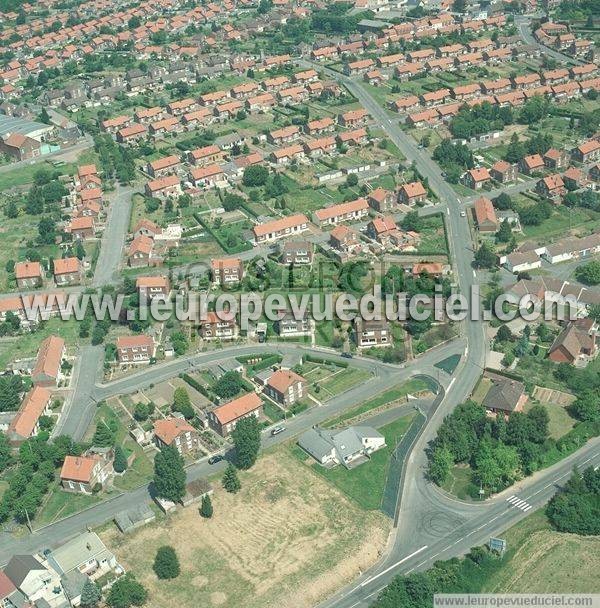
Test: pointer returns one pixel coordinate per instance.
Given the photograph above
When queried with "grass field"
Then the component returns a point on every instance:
(27, 345)
(341, 380)
(288, 538)
(540, 560)
(560, 421)
(383, 398)
(365, 484)
(60, 504)
(459, 482)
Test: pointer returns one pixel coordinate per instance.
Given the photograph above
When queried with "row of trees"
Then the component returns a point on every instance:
(498, 451)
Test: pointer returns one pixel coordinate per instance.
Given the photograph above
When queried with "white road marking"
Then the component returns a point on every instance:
(515, 501)
(370, 580)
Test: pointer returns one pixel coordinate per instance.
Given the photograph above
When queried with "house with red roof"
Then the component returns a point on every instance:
(132, 350)
(28, 275)
(176, 432)
(286, 387)
(47, 371)
(26, 423)
(223, 419)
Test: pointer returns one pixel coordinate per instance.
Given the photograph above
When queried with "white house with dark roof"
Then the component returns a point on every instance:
(349, 447)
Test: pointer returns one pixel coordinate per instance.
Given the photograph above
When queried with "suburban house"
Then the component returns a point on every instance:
(372, 333)
(587, 152)
(163, 187)
(551, 186)
(135, 349)
(220, 326)
(350, 447)
(476, 178)
(504, 395)
(47, 371)
(412, 193)
(28, 274)
(342, 212)
(67, 271)
(33, 580)
(572, 248)
(153, 287)
(504, 172)
(26, 423)
(530, 164)
(224, 418)
(85, 473)
(82, 228)
(485, 215)
(85, 554)
(297, 253)
(286, 387)
(576, 343)
(226, 271)
(140, 251)
(287, 324)
(176, 432)
(20, 147)
(345, 240)
(381, 200)
(522, 261)
(280, 228)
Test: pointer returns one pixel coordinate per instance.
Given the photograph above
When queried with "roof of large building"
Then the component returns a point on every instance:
(11, 124)
(170, 428)
(32, 408)
(78, 468)
(237, 408)
(49, 357)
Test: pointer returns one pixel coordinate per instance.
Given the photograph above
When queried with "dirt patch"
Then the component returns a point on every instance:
(548, 395)
(288, 539)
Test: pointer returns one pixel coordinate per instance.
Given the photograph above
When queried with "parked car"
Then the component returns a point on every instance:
(216, 458)
(347, 355)
(277, 430)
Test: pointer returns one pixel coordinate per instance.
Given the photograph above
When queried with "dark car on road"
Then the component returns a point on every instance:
(216, 458)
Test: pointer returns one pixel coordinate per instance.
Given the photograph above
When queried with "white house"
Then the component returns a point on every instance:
(349, 447)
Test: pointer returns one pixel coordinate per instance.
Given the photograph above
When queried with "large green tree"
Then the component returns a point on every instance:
(169, 474)
(166, 563)
(246, 439)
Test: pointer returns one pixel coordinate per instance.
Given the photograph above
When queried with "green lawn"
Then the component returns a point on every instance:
(60, 504)
(342, 380)
(560, 421)
(459, 483)
(561, 221)
(27, 344)
(141, 470)
(272, 411)
(397, 392)
(365, 483)
(541, 560)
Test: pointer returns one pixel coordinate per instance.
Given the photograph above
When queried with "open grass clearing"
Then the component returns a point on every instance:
(288, 538)
(541, 560)
(380, 400)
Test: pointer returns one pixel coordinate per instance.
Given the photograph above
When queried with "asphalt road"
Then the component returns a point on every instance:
(523, 24)
(115, 231)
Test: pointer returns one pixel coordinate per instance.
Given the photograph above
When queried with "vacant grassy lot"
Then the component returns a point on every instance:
(60, 504)
(560, 421)
(341, 380)
(365, 483)
(26, 345)
(540, 560)
(288, 538)
(383, 398)
(459, 482)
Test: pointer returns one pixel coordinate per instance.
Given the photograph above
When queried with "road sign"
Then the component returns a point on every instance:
(497, 544)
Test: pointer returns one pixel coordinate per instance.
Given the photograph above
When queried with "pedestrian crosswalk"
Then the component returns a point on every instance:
(515, 501)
